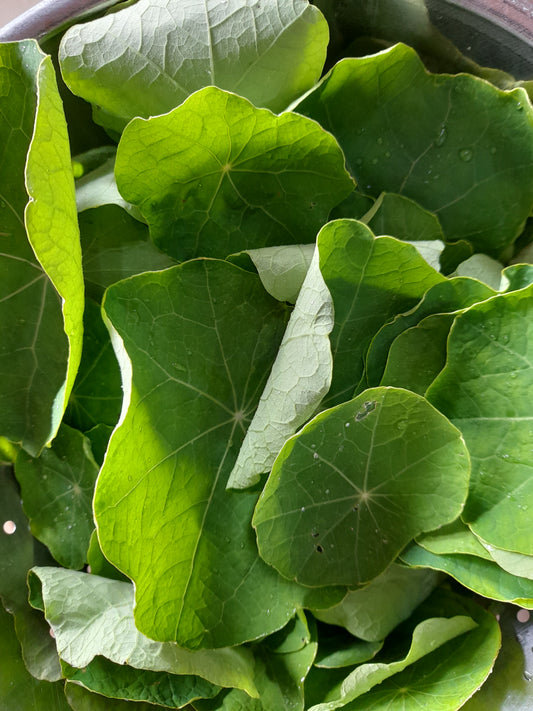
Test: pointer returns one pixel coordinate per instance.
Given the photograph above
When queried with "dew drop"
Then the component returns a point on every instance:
(315, 455)
(52, 635)
(466, 154)
(387, 154)
(9, 527)
(493, 150)
(374, 161)
(359, 161)
(380, 141)
(347, 424)
(326, 492)
(302, 509)
(441, 138)
(528, 676)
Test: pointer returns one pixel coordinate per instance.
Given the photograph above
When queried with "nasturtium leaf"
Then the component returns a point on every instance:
(514, 563)
(371, 280)
(281, 269)
(93, 616)
(115, 246)
(484, 268)
(356, 484)
(293, 637)
(18, 553)
(482, 576)
(16, 547)
(99, 188)
(217, 175)
(97, 395)
(98, 564)
(455, 537)
(418, 354)
(41, 299)
(404, 219)
(428, 636)
(373, 611)
(147, 58)
(90, 160)
(195, 343)
(467, 157)
(339, 652)
(518, 276)
(295, 386)
(18, 689)
(447, 296)
(81, 699)
(99, 436)
(485, 390)
(508, 688)
(57, 490)
(279, 679)
(354, 207)
(444, 679)
(122, 681)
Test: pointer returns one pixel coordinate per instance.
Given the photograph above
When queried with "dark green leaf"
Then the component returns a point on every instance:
(357, 483)
(467, 157)
(57, 490)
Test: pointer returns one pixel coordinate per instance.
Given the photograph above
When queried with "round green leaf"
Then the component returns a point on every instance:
(457, 145)
(360, 481)
(485, 390)
(217, 176)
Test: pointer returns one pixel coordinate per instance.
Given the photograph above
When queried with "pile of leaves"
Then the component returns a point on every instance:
(266, 366)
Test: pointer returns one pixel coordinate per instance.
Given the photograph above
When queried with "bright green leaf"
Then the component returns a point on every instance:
(195, 343)
(371, 279)
(372, 612)
(356, 484)
(147, 58)
(467, 157)
(485, 390)
(92, 616)
(57, 490)
(41, 300)
(98, 563)
(217, 176)
(482, 576)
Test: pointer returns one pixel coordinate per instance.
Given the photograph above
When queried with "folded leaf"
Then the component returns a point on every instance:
(482, 576)
(356, 484)
(295, 386)
(41, 298)
(217, 176)
(93, 616)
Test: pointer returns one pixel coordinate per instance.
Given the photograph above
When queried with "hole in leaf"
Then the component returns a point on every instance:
(319, 549)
